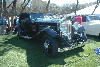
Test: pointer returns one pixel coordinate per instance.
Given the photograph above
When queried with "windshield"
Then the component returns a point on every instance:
(36, 15)
(94, 18)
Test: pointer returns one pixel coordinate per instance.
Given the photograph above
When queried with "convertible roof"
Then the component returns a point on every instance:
(30, 13)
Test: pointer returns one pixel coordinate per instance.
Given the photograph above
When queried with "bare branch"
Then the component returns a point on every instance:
(9, 5)
(23, 3)
(24, 6)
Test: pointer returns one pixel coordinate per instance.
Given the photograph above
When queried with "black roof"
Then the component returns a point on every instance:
(30, 13)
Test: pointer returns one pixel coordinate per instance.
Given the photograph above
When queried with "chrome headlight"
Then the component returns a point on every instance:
(63, 27)
(76, 25)
(80, 35)
(75, 32)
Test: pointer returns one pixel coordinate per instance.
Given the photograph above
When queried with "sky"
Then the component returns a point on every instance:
(61, 2)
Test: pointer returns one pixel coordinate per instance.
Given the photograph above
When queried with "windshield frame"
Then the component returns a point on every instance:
(36, 15)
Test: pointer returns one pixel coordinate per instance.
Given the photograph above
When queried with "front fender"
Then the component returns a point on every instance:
(81, 29)
(51, 32)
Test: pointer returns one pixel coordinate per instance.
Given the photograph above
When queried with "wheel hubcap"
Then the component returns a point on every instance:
(47, 46)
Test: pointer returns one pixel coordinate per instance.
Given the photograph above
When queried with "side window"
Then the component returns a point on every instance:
(23, 16)
(87, 19)
(83, 18)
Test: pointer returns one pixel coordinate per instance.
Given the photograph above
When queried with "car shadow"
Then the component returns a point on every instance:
(94, 38)
(35, 54)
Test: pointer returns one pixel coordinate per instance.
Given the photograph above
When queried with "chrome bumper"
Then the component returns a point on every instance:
(70, 48)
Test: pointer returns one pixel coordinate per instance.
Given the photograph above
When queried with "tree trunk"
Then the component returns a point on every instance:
(47, 5)
(13, 11)
(96, 6)
(4, 7)
(5, 11)
(12, 15)
(14, 5)
(0, 9)
(76, 7)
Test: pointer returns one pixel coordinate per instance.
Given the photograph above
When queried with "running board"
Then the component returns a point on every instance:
(71, 47)
(27, 37)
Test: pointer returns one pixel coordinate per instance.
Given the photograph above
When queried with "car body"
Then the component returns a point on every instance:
(55, 33)
(91, 24)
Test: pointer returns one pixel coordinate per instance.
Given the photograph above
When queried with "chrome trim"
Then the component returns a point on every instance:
(72, 47)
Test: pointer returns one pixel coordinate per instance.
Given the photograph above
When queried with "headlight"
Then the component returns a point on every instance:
(76, 28)
(63, 28)
(75, 32)
(76, 25)
(80, 35)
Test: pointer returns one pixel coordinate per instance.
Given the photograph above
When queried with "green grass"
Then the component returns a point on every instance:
(16, 52)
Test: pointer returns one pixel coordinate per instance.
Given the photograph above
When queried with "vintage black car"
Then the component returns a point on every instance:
(55, 33)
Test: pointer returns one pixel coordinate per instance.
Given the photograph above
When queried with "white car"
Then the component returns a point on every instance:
(91, 24)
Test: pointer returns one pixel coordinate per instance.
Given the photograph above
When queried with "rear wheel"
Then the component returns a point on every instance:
(50, 46)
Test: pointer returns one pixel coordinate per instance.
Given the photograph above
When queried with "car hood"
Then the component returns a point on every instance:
(95, 22)
(48, 20)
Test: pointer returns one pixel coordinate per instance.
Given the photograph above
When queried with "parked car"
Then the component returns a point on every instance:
(55, 33)
(91, 24)
(3, 21)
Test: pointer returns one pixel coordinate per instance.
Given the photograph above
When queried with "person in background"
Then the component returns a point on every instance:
(13, 26)
(7, 28)
(16, 23)
(73, 18)
(78, 19)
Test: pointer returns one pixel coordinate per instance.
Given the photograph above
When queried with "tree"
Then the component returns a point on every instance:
(76, 7)
(0, 8)
(10, 9)
(98, 1)
(25, 3)
(53, 8)
(39, 6)
(47, 5)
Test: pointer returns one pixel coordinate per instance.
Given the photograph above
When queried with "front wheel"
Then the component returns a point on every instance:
(50, 46)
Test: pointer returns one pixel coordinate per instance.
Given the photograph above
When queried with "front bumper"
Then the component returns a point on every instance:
(70, 48)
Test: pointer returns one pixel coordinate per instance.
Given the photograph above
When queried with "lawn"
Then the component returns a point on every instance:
(16, 52)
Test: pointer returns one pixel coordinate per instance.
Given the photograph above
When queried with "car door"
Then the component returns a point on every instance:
(94, 28)
(85, 23)
(91, 27)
